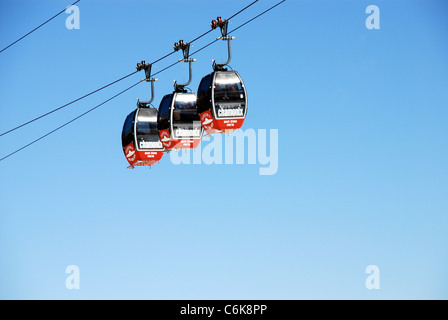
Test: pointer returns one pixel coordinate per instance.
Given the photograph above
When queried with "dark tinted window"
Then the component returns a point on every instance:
(229, 95)
(186, 122)
(147, 128)
(148, 136)
(164, 113)
(205, 94)
(228, 88)
(127, 135)
(204, 86)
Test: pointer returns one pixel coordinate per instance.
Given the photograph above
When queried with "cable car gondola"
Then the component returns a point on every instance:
(222, 97)
(140, 136)
(178, 119)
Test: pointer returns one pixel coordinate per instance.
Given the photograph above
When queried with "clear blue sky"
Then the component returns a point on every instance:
(363, 154)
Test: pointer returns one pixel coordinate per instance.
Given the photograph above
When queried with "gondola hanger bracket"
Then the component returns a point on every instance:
(223, 25)
(185, 47)
(148, 68)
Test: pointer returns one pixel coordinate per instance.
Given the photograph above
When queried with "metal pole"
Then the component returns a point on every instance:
(181, 85)
(229, 46)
